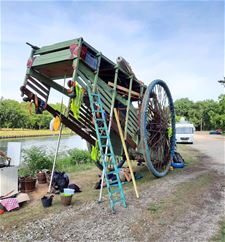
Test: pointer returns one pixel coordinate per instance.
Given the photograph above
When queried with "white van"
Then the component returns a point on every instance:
(185, 132)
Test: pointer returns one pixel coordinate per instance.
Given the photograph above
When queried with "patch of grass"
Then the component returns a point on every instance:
(34, 210)
(74, 160)
(220, 236)
(185, 195)
(155, 207)
(68, 167)
(29, 132)
(189, 155)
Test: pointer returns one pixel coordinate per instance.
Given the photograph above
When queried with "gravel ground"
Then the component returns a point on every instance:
(194, 218)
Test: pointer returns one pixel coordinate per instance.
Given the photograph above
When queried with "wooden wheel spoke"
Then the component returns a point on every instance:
(159, 117)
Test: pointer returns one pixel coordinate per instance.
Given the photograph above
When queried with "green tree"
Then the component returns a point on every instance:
(11, 114)
(182, 107)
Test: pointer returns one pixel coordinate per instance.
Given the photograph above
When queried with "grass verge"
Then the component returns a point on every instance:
(13, 133)
(85, 177)
(220, 236)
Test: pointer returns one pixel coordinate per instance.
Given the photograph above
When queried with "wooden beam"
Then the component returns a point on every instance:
(72, 125)
(43, 87)
(124, 89)
(48, 81)
(126, 152)
(37, 90)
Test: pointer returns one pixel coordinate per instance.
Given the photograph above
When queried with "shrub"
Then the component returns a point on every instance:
(35, 159)
(78, 156)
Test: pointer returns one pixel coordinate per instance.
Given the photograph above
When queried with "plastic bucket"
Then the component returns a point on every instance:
(41, 178)
(68, 191)
(66, 199)
(46, 201)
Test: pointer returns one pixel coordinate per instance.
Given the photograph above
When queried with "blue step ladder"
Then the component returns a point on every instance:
(115, 189)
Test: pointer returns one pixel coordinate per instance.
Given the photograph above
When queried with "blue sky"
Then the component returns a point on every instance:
(181, 42)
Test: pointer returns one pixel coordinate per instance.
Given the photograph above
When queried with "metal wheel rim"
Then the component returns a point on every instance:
(154, 134)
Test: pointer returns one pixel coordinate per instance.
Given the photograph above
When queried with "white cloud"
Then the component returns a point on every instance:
(186, 56)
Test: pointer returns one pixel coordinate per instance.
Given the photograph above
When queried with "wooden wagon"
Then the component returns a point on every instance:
(146, 113)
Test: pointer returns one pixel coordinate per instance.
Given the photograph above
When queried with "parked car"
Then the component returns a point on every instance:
(215, 132)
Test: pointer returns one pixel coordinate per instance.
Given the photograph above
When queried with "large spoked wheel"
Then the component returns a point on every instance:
(158, 128)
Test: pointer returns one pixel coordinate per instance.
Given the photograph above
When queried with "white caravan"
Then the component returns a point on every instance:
(184, 132)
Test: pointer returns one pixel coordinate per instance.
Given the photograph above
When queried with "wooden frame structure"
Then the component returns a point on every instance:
(83, 64)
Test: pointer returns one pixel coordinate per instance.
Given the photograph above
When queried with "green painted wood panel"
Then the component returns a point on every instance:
(52, 57)
(57, 46)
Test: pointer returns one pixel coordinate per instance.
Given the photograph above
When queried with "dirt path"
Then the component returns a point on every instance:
(183, 206)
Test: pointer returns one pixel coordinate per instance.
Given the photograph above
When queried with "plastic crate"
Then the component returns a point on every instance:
(91, 60)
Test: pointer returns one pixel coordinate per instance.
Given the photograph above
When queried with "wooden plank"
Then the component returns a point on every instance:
(128, 107)
(135, 123)
(86, 111)
(90, 76)
(124, 89)
(72, 125)
(105, 98)
(56, 70)
(87, 121)
(84, 78)
(82, 124)
(97, 72)
(42, 84)
(48, 82)
(129, 140)
(57, 46)
(52, 57)
(41, 87)
(108, 89)
(122, 138)
(36, 90)
(132, 127)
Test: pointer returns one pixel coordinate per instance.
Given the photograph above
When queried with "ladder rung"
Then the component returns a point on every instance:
(115, 191)
(107, 163)
(103, 137)
(102, 128)
(114, 183)
(109, 154)
(94, 94)
(110, 172)
(96, 102)
(99, 119)
(104, 146)
(97, 111)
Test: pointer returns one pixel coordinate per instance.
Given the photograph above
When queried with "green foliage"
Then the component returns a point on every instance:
(156, 207)
(24, 171)
(209, 114)
(78, 156)
(35, 159)
(220, 236)
(74, 160)
(11, 114)
(16, 115)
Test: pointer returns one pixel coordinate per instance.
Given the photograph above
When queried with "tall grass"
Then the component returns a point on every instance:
(74, 160)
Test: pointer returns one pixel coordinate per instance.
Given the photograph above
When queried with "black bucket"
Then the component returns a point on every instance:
(47, 201)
